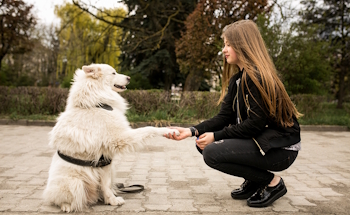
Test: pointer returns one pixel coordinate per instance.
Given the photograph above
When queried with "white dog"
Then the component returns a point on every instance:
(92, 129)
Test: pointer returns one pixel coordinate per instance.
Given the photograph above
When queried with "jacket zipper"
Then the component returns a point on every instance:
(239, 118)
(248, 108)
(261, 151)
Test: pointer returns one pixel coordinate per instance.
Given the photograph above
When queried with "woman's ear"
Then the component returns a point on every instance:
(92, 71)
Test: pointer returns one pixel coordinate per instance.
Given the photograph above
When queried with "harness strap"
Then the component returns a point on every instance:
(105, 106)
(101, 162)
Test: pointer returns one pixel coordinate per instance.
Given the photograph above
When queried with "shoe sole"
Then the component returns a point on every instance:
(245, 196)
(265, 204)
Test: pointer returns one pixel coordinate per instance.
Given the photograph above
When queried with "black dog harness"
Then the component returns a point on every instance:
(105, 106)
(101, 162)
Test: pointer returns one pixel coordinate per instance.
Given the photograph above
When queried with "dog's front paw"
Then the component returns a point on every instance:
(115, 201)
(66, 207)
(172, 131)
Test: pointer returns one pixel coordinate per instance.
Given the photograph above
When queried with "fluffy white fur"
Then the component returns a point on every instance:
(86, 132)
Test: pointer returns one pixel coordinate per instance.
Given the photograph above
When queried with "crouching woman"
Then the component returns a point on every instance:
(256, 131)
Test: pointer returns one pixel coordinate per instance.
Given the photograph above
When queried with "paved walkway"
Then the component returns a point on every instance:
(176, 179)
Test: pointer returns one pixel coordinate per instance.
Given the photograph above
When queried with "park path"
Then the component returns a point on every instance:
(176, 179)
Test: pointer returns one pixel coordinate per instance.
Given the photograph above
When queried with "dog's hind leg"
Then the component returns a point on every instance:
(108, 195)
(68, 194)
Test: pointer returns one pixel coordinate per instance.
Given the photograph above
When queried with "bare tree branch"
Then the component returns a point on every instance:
(101, 18)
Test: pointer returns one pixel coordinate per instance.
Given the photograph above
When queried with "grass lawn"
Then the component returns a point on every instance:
(328, 114)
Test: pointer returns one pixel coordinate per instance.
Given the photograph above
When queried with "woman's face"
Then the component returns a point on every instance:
(230, 54)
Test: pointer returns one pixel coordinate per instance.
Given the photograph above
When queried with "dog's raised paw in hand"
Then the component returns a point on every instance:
(172, 131)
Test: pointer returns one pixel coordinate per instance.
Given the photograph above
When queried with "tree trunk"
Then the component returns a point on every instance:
(341, 91)
(1, 57)
(193, 81)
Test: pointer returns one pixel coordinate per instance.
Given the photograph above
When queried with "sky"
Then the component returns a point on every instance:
(44, 9)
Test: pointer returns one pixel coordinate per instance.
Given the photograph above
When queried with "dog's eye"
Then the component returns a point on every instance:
(113, 73)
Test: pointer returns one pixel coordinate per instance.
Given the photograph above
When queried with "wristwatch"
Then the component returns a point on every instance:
(194, 131)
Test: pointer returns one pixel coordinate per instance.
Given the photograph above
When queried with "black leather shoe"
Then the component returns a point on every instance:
(246, 190)
(267, 195)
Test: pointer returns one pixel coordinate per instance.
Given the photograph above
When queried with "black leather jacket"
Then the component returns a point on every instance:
(254, 120)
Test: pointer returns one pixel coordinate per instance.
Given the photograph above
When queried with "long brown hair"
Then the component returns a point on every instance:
(245, 39)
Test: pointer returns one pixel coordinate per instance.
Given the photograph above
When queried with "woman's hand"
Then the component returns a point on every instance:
(205, 139)
(184, 133)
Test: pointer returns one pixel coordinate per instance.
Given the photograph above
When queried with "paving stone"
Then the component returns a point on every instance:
(175, 167)
(300, 201)
(7, 207)
(283, 205)
(37, 181)
(320, 168)
(299, 185)
(49, 209)
(37, 194)
(9, 173)
(326, 191)
(326, 180)
(179, 185)
(159, 189)
(22, 177)
(133, 196)
(180, 194)
(313, 196)
(157, 199)
(209, 208)
(151, 207)
(222, 193)
(182, 205)
(25, 189)
(9, 199)
(312, 183)
(28, 205)
(176, 172)
(131, 205)
(176, 179)
(157, 175)
(10, 185)
(122, 174)
(157, 181)
(201, 189)
(204, 199)
(232, 205)
(335, 176)
(193, 176)
(139, 177)
(3, 179)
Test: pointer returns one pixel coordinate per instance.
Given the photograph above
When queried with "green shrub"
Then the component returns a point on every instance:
(159, 106)
(308, 104)
(32, 100)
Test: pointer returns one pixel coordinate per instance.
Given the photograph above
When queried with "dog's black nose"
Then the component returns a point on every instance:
(128, 78)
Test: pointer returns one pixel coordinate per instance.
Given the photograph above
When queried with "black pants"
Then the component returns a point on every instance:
(242, 158)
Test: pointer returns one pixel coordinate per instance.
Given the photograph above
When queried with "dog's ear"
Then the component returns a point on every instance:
(93, 71)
